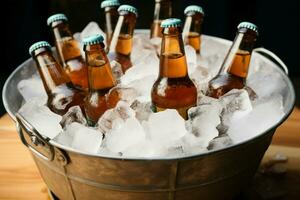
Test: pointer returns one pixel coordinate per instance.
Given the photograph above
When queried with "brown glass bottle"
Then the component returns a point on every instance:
(101, 78)
(162, 10)
(192, 29)
(61, 93)
(111, 17)
(69, 51)
(234, 70)
(121, 43)
(173, 89)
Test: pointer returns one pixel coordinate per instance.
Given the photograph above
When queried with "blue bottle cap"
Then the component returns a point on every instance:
(248, 25)
(56, 17)
(95, 39)
(38, 45)
(171, 22)
(128, 8)
(193, 8)
(108, 3)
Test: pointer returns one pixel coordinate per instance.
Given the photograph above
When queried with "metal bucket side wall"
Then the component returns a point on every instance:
(217, 176)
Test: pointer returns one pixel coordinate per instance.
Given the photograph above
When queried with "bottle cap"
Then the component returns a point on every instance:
(193, 8)
(171, 22)
(248, 25)
(38, 45)
(56, 17)
(95, 39)
(108, 3)
(128, 8)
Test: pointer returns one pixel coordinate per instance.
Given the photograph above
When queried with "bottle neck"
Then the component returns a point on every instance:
(111, 18)
(193, 25)
(192, 31)
(172, 60)
(121, 42)
(99, 71)
(68, 48)
(162, 10)
(51, 72)
(238, 58)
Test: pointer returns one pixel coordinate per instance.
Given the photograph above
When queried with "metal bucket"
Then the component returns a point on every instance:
(213, 175)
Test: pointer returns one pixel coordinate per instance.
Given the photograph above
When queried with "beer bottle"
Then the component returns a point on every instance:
(234, 70)
(111, 17)
(173, 89)
(101, 78)
(69, 51)
(162, 10)
(121, 43)
(61, 93)
(192, 27)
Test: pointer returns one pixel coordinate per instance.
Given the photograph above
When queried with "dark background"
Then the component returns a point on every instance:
(278, 23)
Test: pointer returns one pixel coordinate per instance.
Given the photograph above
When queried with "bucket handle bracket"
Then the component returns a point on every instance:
(32, 139)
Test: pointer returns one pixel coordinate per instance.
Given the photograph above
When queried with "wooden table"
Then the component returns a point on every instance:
(20, 179)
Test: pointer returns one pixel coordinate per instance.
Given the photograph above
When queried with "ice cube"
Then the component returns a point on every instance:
(143, 149)
(117, 70)
(142, 110)
(220, 142)
(193, 145)
(41, 118)
(115, 116)
(236, 104)
(74, 114)
(122, 137)
(164, 127)
(143, 86)
(122, 93)
(32, 88)
(266, 84)
(156, 42)
(85, 139)
(92, 29)
(80, 137)
(191, 57)
(263, 116)
(141, 49)
(203, 122)
(149, 66)
(201, 77)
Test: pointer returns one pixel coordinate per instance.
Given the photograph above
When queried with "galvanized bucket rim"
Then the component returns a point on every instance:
(212, 152)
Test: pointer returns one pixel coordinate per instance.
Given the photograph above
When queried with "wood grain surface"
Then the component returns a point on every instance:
(20, 179)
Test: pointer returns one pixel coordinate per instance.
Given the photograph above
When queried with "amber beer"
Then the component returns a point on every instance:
(193, 26)
(69, 51)
(121, 43)
(61, 93)
(101, 78)
(162, 10)
(173, 89)
(234, 70)
(111, 17)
